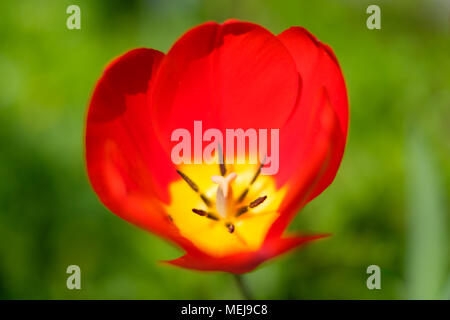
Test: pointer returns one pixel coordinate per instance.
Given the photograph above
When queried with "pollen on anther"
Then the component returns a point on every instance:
(257, 202)
(206, 214)
(200, 212)
(230, 227)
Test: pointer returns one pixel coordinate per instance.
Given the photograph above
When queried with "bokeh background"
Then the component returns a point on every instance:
(388, 206)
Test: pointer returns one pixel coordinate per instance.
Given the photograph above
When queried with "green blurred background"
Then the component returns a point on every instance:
(388, 205)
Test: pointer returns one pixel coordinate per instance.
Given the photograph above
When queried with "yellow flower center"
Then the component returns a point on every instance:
(224, 214)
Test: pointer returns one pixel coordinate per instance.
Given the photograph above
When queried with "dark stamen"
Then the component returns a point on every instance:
(194, 187)
(203, 213)
(200, 212)
(257, 202)
(241, 211)
(244, 193)
(252, 205)
(189, 181)
(210, 216)
(205, 200)
(230, 227)
(258, 172)
(223, 168)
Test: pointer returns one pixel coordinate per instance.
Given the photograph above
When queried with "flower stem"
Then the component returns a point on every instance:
(243, 288)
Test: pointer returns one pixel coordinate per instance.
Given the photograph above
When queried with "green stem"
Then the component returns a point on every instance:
(243, 288)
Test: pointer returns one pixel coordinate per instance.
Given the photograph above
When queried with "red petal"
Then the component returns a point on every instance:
(235, 75)
(304, 180)
(127, 167)
(243, 262)
(321, 77)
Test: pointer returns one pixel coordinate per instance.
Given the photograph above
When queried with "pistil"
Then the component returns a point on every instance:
(224, 194)
(226, 210)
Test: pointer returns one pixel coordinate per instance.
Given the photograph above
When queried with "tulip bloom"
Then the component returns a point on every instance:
(225, 217)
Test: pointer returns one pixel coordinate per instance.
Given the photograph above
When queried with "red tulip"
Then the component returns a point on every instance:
(230, 75)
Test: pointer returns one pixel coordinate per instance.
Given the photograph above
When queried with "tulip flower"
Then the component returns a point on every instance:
(227, 216)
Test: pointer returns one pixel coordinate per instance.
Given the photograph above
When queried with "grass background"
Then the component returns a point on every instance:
(388, 205)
